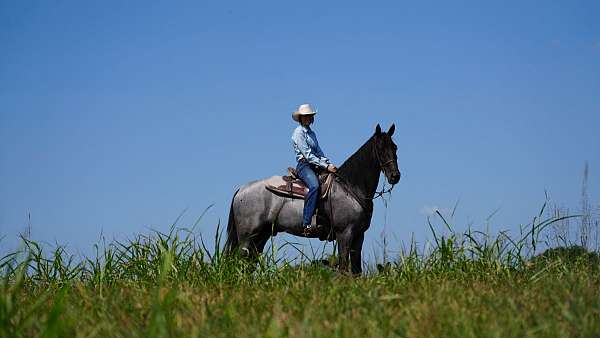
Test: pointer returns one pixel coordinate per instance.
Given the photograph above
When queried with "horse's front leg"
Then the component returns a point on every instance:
(344, 241)
(355, 253)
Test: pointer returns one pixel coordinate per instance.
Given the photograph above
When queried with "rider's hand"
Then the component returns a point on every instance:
(331, 168)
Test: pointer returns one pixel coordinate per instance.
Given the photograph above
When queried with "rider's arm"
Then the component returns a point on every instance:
(320, 154)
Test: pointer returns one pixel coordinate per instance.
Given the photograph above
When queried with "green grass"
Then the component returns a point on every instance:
(170, 285)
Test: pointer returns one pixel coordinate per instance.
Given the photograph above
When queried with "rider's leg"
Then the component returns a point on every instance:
(308, 176)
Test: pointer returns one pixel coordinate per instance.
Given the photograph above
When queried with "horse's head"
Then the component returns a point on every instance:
(385, 151)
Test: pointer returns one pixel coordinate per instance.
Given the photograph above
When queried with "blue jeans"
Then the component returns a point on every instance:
(309, 177)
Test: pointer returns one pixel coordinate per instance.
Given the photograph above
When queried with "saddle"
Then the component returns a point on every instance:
(292, 186)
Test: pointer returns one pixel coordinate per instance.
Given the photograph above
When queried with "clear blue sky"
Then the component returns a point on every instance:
(116, 116)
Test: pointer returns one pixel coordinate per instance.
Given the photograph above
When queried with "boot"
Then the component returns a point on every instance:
(313, 230)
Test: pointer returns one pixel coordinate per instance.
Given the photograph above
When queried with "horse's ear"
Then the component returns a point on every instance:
(392, 129)
(378, 130)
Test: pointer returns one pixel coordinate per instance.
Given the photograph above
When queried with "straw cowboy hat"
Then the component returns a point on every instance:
(304, 109)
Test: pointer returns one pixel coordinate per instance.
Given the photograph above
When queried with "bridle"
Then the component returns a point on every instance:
(382, 166)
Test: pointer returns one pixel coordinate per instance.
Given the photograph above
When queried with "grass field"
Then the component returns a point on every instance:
(169, 285)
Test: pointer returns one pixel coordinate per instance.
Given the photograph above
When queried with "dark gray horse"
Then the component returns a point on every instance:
(256, 213)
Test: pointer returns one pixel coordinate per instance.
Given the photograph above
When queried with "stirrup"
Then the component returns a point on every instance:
(313, 220)
(310, 231)
(314, 227)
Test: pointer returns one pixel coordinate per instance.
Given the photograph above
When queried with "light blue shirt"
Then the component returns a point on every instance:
(307, 147)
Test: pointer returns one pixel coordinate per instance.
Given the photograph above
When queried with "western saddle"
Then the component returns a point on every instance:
(292, 186)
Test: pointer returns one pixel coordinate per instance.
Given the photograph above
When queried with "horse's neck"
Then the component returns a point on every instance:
(361, 170)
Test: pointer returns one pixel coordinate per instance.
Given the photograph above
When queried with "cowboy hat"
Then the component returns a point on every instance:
(304, 109)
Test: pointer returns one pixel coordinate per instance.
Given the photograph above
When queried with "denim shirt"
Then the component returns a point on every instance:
(307, 147)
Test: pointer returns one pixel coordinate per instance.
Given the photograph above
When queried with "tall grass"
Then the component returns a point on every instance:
(170, 284)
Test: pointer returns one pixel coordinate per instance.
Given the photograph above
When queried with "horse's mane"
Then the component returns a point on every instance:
(355, 163)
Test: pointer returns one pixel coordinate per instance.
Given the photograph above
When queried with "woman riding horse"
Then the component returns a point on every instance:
(311, 161)
(257, 213)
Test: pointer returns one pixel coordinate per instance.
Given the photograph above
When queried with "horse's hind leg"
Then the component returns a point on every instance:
(260, 241)
(253, 245)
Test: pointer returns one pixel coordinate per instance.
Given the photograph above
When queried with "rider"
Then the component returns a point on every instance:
(311, 161)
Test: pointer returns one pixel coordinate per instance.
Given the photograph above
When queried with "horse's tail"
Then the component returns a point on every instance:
(232, 238)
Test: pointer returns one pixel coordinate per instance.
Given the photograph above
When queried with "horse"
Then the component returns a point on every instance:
(256, 213)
